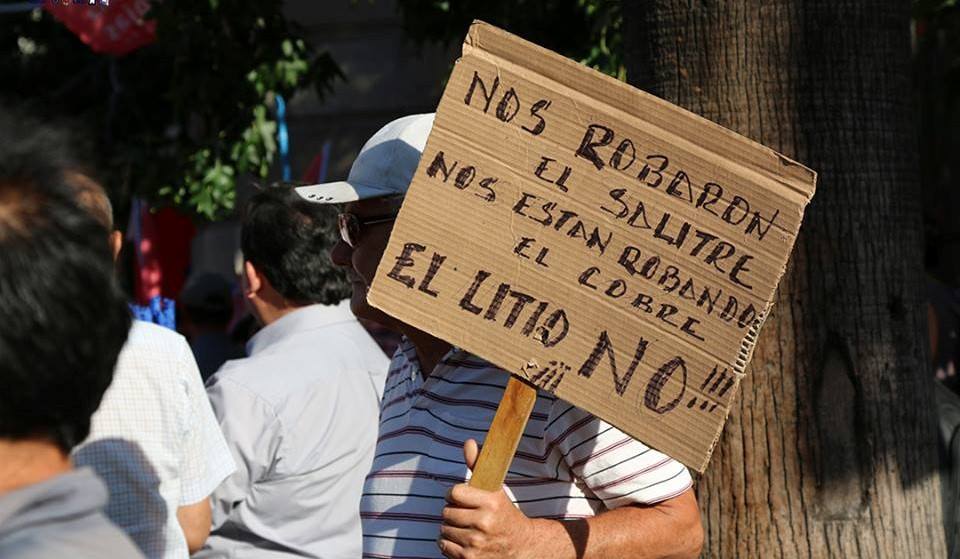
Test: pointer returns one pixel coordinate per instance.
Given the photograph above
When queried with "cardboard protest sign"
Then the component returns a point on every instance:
(594, 240)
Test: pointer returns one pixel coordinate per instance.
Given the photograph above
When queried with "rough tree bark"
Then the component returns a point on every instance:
(830, 450)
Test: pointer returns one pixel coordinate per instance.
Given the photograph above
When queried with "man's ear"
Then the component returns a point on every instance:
(116, 243)
(252, 281)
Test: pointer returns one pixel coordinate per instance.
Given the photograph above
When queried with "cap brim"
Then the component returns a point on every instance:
(342, 192)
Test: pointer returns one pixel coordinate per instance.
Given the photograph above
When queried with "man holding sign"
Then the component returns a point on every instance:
(577, 487)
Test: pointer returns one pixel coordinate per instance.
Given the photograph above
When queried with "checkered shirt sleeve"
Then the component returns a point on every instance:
(206, 460)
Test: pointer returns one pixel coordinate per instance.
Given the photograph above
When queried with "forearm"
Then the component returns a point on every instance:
(195, 522)
(665, 530)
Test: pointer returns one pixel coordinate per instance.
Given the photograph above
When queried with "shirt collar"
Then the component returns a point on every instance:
(311, 317)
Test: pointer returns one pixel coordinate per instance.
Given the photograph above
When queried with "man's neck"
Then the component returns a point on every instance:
(28, 462)
(430, 350)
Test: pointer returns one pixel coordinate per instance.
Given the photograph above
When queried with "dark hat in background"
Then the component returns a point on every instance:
(208, 298)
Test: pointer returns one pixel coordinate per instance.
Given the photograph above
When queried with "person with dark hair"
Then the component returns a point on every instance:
(300, 413)
(65, 321)
(154, 441)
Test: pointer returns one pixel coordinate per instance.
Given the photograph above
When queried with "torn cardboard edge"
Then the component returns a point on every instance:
(747, 346)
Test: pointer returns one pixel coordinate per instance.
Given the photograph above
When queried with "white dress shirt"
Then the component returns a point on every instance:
(155, 441)
(301, 416)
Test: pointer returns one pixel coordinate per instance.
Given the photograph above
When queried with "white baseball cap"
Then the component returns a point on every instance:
(384, 167)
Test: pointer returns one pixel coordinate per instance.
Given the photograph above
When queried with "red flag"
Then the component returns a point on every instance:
(162, 241)
(107, 26)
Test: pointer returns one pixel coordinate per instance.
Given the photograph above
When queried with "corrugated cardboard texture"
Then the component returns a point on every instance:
(604, 244)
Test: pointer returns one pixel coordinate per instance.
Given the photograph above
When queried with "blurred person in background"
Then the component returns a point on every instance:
(943, 314)
(207, 303)
(154, 440)
(943, 298)
(65, 321)
(300, 413)
(943, 328)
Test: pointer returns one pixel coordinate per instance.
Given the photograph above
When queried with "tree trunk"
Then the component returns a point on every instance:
(830, 450)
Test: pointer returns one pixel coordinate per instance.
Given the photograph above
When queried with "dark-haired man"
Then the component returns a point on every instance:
(64, 323)
(300, 413)
(578, 487)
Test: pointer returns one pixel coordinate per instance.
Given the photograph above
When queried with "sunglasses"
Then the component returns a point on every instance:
(352, 226)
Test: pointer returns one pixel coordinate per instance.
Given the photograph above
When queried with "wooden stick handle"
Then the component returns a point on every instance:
(504, 435)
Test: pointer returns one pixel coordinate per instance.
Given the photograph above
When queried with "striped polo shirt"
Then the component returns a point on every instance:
(569, 464)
